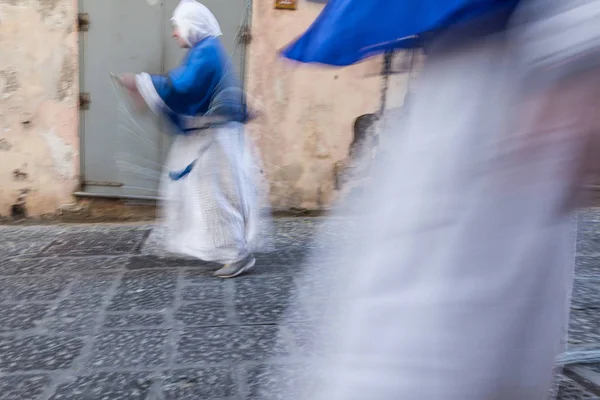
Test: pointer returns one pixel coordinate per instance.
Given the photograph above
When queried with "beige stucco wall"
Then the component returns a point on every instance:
(39, 145)
(308, 112)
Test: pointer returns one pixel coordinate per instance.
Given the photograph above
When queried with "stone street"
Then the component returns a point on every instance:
(99, 312)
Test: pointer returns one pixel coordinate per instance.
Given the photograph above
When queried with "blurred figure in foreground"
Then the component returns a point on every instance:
(457, 284)
(211, 202)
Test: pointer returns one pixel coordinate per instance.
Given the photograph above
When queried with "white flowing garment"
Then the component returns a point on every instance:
(457, 284)
(214, 213)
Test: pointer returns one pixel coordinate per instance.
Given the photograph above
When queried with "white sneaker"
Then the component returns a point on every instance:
(237, 268)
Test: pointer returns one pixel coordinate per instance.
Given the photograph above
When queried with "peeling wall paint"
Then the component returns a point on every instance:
(308, 113)
(39, 144)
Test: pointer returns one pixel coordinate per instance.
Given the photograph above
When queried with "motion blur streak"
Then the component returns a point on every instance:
(455, 284)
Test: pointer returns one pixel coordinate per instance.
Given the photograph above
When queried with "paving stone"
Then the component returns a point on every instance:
(265, 287)
(230, 343)
(155, 262)
(89, 264)
(584, 327)
(8, 266)
(266, 299)
(202, 314)
(27, 266)
(75, 314)
(261, 269)
(77, 322)
(27, 387)
(38, 353)
(56, 265)
(586, 375)
(129, 349)
(29, 233)
(312, 233)
(288, 261)
(282, 258)
(15, 249)
(588, 243)
(570, 390)
(145, 290)
(21, 317)
(94, 283)
(154, 245)
(142, 300)
(92, 243)
(594, 367)
(107, 386)
(586, 295)
(295, 231)
(208, 291)
(200, 276)
(587, 267)
(130, 320)
(33, 288)
(46, 266)
(83, 301)
(282, 382)
(591, 214)
(200, 383)
(162, 280)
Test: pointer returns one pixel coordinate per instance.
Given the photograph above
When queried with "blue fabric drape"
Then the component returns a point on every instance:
(348, 31)
(203, 85)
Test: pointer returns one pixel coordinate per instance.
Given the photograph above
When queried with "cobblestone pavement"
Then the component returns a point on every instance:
(99, 312)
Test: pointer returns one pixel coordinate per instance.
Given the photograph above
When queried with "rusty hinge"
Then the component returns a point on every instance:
(84, 101)
(243, 36)
(83, 22)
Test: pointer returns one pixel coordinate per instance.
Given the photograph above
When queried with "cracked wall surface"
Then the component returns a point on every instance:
(39, 143)
(308, 113)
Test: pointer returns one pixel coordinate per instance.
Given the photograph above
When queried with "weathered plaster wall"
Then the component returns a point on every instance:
(308, 112)
(39, 144)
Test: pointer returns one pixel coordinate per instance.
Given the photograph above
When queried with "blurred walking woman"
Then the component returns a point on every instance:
(210, 197)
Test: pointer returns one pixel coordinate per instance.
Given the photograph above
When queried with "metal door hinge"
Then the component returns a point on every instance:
(243, 35)
(84, 101)
(83, 22)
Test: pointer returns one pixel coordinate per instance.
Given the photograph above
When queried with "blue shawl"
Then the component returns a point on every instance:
(348, 31)
(202, 91)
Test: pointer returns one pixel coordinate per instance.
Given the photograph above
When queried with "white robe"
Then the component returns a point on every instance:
(214, 212)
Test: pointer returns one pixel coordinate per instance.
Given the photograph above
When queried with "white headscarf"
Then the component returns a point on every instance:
(195, 22)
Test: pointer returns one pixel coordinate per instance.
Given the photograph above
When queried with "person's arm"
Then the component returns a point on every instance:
(128, 82)
(163, 92)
